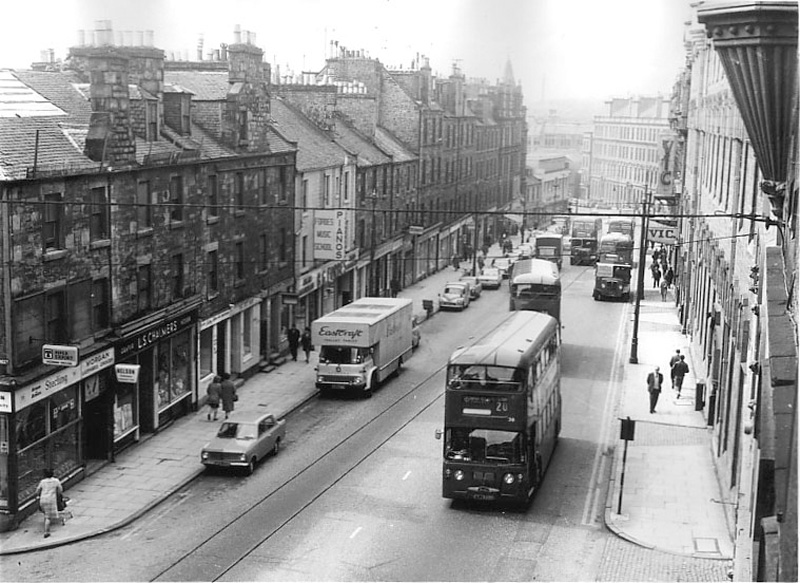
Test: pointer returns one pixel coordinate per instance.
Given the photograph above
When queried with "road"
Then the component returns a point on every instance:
(355, 493)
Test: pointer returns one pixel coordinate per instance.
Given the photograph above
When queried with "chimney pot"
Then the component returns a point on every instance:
(148, 38)
(81, 37)
(237, 34)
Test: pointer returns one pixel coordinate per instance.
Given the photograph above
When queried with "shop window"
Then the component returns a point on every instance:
(65, 454)
(173, 369)
(63, 408)
(31, 424)
(31, 464)
(125, 409)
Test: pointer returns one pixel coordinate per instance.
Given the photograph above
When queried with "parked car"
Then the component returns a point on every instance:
(490, 278)
(416, 334)
(475, 286)
(243, 440)
(455, 295)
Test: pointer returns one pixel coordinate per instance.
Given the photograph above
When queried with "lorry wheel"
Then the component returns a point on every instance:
(594, 295)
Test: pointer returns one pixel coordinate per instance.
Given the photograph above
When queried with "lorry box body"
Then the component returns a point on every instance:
(362, 343)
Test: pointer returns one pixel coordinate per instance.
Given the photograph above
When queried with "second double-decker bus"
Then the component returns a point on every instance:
(535, 285)
(615, 248)
(503, 411)
(625, 226)
(586, 233)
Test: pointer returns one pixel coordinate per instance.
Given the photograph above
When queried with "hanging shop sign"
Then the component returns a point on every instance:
(5, 402)
(665, 234)
(127, 373)
(59, 355)
(330, 234)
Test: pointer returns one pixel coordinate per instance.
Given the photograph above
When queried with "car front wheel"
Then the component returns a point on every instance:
(251, 466)
(277, 447)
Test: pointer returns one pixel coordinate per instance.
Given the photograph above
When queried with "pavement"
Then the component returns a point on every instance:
(669, 489)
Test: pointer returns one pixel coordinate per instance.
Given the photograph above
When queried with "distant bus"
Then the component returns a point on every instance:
(502, 412)
(586, 234)
(615, 248)
(625, 226)
(549, 246)
(535, 286)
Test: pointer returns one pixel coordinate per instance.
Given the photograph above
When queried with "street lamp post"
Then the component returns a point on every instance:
(634, 359)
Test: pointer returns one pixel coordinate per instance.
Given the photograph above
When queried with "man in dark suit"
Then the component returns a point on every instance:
(654, 381)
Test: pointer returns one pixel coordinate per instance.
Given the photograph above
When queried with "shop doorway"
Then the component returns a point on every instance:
(222, 343)
(98, 427)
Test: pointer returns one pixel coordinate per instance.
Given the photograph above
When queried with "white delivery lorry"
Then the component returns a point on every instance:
(362, 343)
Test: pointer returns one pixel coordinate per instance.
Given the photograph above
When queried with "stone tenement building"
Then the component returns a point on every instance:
(139, 228)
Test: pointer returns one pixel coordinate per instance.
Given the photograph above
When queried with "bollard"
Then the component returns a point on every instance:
(699, 396)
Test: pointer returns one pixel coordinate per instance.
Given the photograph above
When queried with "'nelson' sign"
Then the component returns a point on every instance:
(662, 233)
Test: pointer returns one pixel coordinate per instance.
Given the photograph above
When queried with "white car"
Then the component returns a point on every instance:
(490, 278)
(455, 295)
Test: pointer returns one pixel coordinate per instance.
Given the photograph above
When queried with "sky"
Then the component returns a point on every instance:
(559, 49)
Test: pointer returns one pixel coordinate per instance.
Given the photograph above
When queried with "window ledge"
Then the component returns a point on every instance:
(239, 213)
(175, 225)
(212, 220)
(104, 244)
(54, 254)
(212, 296)
(143, 233)
(239, 282)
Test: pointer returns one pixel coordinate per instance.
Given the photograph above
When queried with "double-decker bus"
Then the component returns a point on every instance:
(549, 246)
(503, 411)
(586, 233)
(535, 285)
(615, 248)
(625, 226)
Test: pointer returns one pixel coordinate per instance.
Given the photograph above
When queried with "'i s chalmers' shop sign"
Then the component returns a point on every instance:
(150, 336)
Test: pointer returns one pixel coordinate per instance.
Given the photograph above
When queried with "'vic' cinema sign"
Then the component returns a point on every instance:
(661, 233)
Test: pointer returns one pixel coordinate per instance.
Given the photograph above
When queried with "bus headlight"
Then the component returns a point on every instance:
(508, 479)
(459, 475)
(357, 380)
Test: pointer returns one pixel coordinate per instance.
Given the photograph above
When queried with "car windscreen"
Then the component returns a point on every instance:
(231, 430)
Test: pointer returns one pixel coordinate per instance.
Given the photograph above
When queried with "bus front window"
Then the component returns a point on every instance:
(484, 446)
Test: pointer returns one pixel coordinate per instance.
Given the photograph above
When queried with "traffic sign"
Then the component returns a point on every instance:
(59, 355)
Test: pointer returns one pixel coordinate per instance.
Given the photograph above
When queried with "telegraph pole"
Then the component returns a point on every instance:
(640, 280)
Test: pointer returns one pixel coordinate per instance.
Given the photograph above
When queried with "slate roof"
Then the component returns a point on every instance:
(316, 149)
(62, 136)
(206, 85)
(387, 142)
(355, 142)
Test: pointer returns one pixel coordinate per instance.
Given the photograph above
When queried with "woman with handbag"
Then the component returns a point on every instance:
(47, 492)
(229, 396)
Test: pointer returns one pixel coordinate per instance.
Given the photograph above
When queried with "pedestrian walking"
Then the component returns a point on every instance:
(669, 275)
(229, 396)
(679, 370)
(455, 261)
(675, 358)
(654, 269)
(664, 289)
(294, 341)
(654, 381)
(48, 493)
(305, 340)
(213, 397)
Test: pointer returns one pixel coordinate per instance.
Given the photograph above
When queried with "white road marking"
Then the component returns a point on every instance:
(355, 532)
(408, 473)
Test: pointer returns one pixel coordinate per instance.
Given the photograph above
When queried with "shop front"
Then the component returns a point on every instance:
(165, 390)
(45, 423)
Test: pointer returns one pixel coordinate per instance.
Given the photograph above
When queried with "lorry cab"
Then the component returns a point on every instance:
(612, 281)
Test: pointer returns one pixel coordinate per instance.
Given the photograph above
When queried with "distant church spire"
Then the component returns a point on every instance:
(508, 74)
